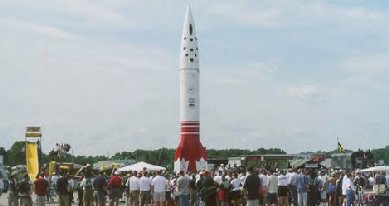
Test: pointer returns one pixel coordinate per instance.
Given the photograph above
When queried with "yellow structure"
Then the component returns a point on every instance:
(32, 159)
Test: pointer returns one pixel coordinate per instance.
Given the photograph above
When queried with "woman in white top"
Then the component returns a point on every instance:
(236, 191)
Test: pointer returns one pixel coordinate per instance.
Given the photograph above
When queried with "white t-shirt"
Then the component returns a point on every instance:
(144, 183)
(159, 184)
(54, 179)
(292, 178)
(264, 179)
(133, 183)
(273, 184)
(235, 184)
(349, 184)
(282, 180)
(344, 185)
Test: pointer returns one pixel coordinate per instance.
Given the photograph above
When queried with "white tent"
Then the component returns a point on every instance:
(376, 169)
(139, 167)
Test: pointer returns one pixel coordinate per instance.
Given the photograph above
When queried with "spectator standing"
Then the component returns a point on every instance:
(283, 190)
(100, 189)
(115, 184)
(63, 190)
(265, 181)
(301, 185)
(144, 188)
(183, 189)
(350, 190)
(272, 189)
(24, 191)
(159, 188)
(13, 197)
(2, 186)
(251, 187)
(41, 189)
(235, 194)
(192, 191)
(133, 187)
(87, 189)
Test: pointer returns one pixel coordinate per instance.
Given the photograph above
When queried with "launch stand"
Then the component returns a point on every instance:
(33, 148)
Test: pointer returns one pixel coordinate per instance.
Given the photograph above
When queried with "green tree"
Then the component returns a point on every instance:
(16, 155)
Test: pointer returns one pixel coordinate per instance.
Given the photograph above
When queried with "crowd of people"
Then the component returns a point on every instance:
(222, 187)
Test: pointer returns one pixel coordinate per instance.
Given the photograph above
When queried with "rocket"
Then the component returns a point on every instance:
(190, 154)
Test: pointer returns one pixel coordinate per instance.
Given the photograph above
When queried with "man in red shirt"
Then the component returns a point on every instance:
(41, 189)
(115, 184)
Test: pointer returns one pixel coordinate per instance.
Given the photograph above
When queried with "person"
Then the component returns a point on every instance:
(133, 187)
(331, 189)
(2, 186)
(264, 181)
(183, 189)
(41, 189)
(379, 183)
(72, 188)
(292, 186)
(24, 191)
(251, 187)
(87, 188)
(301, 185)
(63, 190)
(100, 189)
(235, 193)
(323, 185)
(144, 188)
(158, 185)
(224, 191)
(272, 188)
(208, 192)
(283, 189)
(80, 191)
(13, 197)
(350, 190)
(192, 190)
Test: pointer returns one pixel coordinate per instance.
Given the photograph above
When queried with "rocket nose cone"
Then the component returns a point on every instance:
(189, 47)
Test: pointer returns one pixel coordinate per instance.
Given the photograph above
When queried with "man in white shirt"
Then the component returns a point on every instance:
(133, 188)
(273, 188)
(144, 187)
(265, 181)
(159, 188)
(350, 190)
(292, 186)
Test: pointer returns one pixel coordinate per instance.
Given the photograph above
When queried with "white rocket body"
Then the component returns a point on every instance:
(190, 154)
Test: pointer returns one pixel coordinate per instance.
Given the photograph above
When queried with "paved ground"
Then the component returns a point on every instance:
(4, 200)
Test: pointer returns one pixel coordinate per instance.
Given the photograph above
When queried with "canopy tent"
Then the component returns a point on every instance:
(376, 169)
(139, 167)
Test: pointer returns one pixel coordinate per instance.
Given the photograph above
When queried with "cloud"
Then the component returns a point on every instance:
(303, 91)
(30, 27)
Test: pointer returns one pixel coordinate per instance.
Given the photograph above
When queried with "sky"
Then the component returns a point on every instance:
(103, 76)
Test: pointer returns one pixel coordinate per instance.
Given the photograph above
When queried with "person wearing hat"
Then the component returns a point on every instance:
(87, 188)
(115, 184)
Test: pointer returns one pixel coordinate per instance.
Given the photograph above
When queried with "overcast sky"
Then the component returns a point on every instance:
(103, 75)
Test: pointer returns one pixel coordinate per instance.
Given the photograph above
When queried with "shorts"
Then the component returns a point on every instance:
(235, 195)
(159, 196)
(168, 195)
(115, 193)
(272, 198)
(99, 197)
(88, 196)
(134, 195)
(144, 197)
(282, 191)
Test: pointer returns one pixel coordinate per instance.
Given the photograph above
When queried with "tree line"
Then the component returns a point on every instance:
(15, 155)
